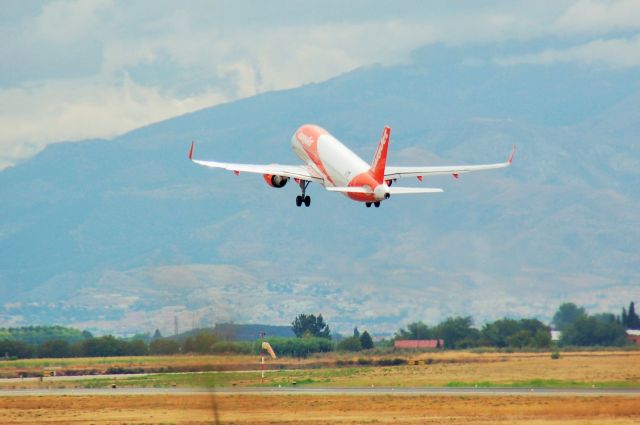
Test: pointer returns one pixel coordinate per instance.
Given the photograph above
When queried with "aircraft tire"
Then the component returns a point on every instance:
(298, 201)
(307, 201)
(368, 204)
(377, 204)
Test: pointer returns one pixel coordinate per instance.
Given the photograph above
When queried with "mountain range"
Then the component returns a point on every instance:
(125, 235)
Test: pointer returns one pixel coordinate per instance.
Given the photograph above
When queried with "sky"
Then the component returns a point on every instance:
(73, 70)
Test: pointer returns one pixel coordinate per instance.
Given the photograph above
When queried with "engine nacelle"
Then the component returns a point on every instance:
(275, 180)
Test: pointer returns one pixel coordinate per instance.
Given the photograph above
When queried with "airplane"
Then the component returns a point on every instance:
(330, 163)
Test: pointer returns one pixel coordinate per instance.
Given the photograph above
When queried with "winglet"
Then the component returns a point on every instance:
(191, 151)
(380, 159)
(513, 153)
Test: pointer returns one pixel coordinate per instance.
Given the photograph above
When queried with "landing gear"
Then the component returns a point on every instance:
(377, 204)
(303, 199)
(368, 204)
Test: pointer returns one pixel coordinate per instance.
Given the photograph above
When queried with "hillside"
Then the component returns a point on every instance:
(122, 235)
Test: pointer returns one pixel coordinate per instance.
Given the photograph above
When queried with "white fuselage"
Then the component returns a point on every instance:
(333, 161)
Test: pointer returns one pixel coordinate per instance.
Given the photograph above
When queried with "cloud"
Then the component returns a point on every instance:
(615, 53)
(125, 65)
(33, 115)
(589, 16)
(149, 75)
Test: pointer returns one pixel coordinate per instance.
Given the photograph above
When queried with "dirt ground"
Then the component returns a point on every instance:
(328, 409)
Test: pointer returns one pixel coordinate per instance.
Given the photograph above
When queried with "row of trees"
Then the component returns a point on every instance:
(458, 332)
(40, 334)
(577, 327)
(580, 328)
(201, 343)
(93, 347)
(313, 335)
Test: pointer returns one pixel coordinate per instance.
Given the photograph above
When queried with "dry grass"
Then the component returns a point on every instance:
(290, 409)
(507, 369)
(439, 369)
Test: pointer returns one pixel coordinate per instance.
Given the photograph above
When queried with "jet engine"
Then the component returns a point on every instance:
(275, 180)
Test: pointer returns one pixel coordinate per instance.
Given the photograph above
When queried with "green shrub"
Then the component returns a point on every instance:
(350, 344)
(300, 347)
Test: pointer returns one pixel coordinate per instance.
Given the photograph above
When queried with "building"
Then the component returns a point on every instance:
(418, 343)
(633, 336)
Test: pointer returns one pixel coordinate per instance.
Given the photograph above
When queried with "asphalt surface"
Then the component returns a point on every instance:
(436, 391)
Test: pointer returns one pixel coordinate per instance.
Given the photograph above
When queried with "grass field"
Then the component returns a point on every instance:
(454, 369)
(295, 409)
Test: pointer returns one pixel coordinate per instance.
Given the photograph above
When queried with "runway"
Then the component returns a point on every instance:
(399, 391)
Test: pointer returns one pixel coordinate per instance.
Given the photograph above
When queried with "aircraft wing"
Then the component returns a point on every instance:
(392, 173)
(301, 172)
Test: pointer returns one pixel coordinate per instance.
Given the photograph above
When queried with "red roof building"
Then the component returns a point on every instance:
(418, 343)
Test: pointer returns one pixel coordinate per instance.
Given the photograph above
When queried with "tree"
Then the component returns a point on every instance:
(600, 329)
(137, 347)
(366, 341)
(630, 320)
(54, 348)
(19, 349)
(520, 339)
(310, 325)
(164, 346)
(566, 315)
(188, 345)
(103, 346)
(350, 344)
(203, 343)
(457, 332)
(415, 330)
(542, 339)
(156, 334)
(356, 332)
(496, 334)
(516, 333)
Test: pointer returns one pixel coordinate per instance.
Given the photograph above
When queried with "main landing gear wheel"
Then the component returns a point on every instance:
(368, 204)
(303, 199)
(377, 204)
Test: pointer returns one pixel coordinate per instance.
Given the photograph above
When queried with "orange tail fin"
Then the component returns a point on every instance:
(380, 158)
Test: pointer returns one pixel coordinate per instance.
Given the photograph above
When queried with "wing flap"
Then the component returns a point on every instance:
(301, 172)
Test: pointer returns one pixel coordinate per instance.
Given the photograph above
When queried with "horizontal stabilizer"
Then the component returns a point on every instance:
(349, 189)
(394, 190)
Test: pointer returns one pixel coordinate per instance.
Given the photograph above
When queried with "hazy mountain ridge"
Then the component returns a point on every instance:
(115, 234)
